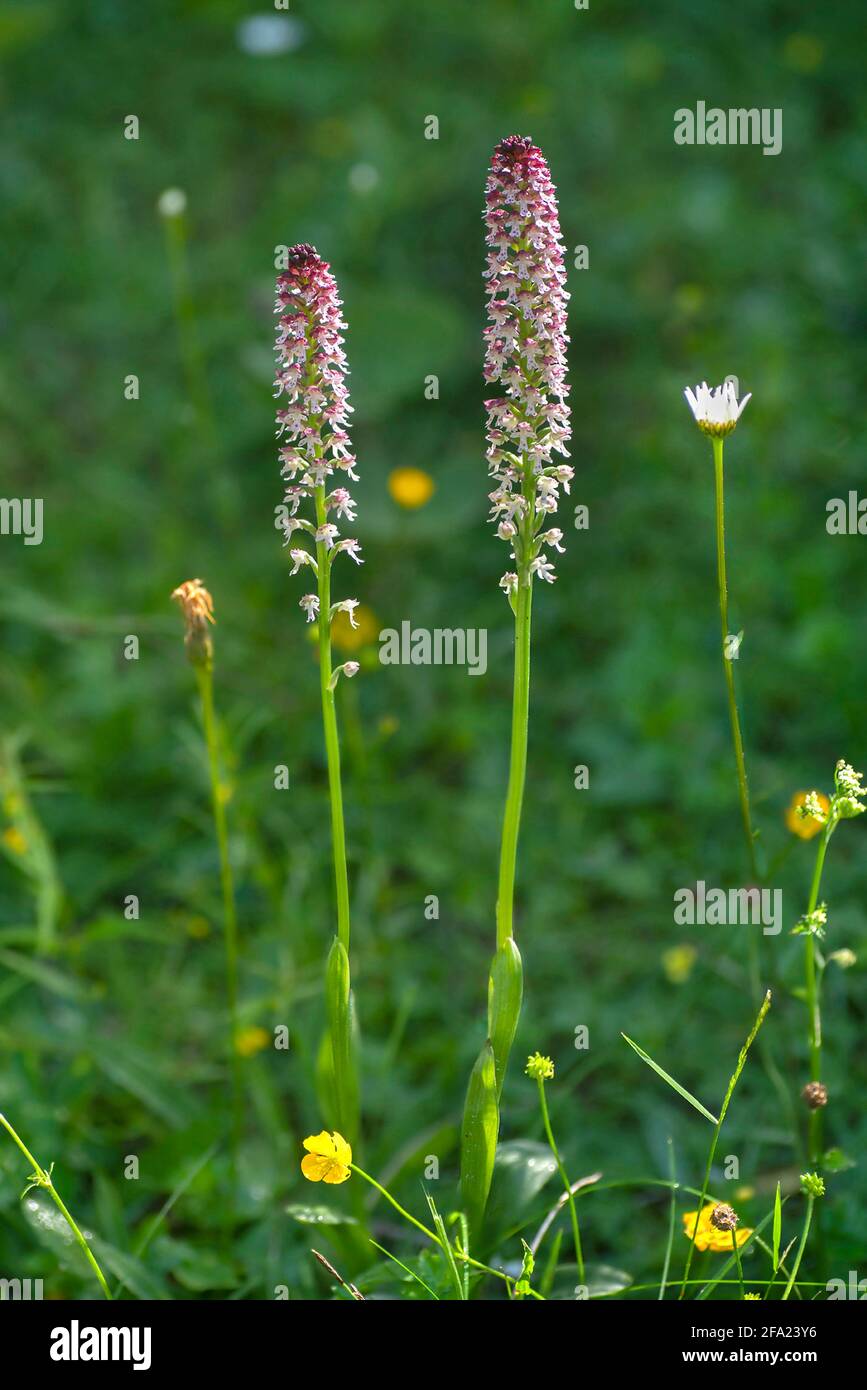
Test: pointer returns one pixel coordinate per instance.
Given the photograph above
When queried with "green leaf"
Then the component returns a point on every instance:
(522, 1169)
(313, 1214)
(778, 1222)
(479, 1131)
(836, 1161)
(339, 1005)
(505, 992)
(681, 1091)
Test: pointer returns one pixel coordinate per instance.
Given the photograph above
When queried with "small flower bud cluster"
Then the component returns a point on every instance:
(197, 608)
(812, 1185)
(724, 1217)
(525, 353)
(847, 800)
(813, 923)
(312, 423)
(539, 1068)
(815, 1095)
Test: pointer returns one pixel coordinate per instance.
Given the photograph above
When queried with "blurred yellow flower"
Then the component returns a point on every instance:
(410, 487)
(678, 962)
(251, 1040)
(348, 638)
(804, 52)
(14, 840)
(805, 827)
(707, 1237)
(328, 1158)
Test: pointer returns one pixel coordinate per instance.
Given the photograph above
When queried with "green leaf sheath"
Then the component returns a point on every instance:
(505, 992)
(479, 1132)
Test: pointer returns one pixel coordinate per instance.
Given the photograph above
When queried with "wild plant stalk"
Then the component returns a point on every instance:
(311, 369)
(197, 607)
(541, 1069)
(525, 353)
(41, 1177)
(812, 1187)
(844, 804)
(742, 1057)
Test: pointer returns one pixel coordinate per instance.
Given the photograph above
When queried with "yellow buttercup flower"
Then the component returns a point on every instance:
(805, 827)
(410, 487)
(710, 1237)
(678, 962)
(14, 840)
(251, 1040)
(328, 1158)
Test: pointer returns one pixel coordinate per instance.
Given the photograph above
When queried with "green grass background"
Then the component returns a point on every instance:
(703, 262)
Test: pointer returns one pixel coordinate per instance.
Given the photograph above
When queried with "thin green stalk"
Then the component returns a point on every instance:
(42, 1178)
(812, 987)
(205, 679)
(737, 1254)
(742, 1057)
(329, 720)
(576, 1234)
(672, 1217)
(727, 663)
(808, 1216)
(456, 1251)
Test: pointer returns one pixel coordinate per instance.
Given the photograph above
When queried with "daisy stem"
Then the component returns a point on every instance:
(329, 720)
(41, 1178)
(737, 1252)
(727, 661)
(205, 680)
(576, 1234)
(808, 1216)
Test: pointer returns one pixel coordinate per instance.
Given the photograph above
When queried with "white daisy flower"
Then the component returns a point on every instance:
(716, 410)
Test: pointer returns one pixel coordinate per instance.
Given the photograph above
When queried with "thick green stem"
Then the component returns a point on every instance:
(727, 660)
(41, 1178)
(205, 678)
(329, 720)
(564, 1178)
(517, 763)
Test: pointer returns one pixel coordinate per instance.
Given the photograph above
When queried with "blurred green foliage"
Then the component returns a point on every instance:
(703, 262)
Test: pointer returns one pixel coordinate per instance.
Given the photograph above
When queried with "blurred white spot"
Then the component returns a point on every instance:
(172, 202)
(363, 178)
(263, 34)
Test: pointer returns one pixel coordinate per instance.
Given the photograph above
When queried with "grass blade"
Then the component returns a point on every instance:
(681, 1091)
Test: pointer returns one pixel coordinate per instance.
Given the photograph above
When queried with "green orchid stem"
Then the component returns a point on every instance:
(808, 1216)
(41, 1178)
(727, 661)
(329, 720)
(431, 1235)
(205, 679)
(517, 763)
(812, 989)
(564, 1178)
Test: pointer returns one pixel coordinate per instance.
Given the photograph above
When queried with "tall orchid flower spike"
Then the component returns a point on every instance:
(316, 453)
(528, 430)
